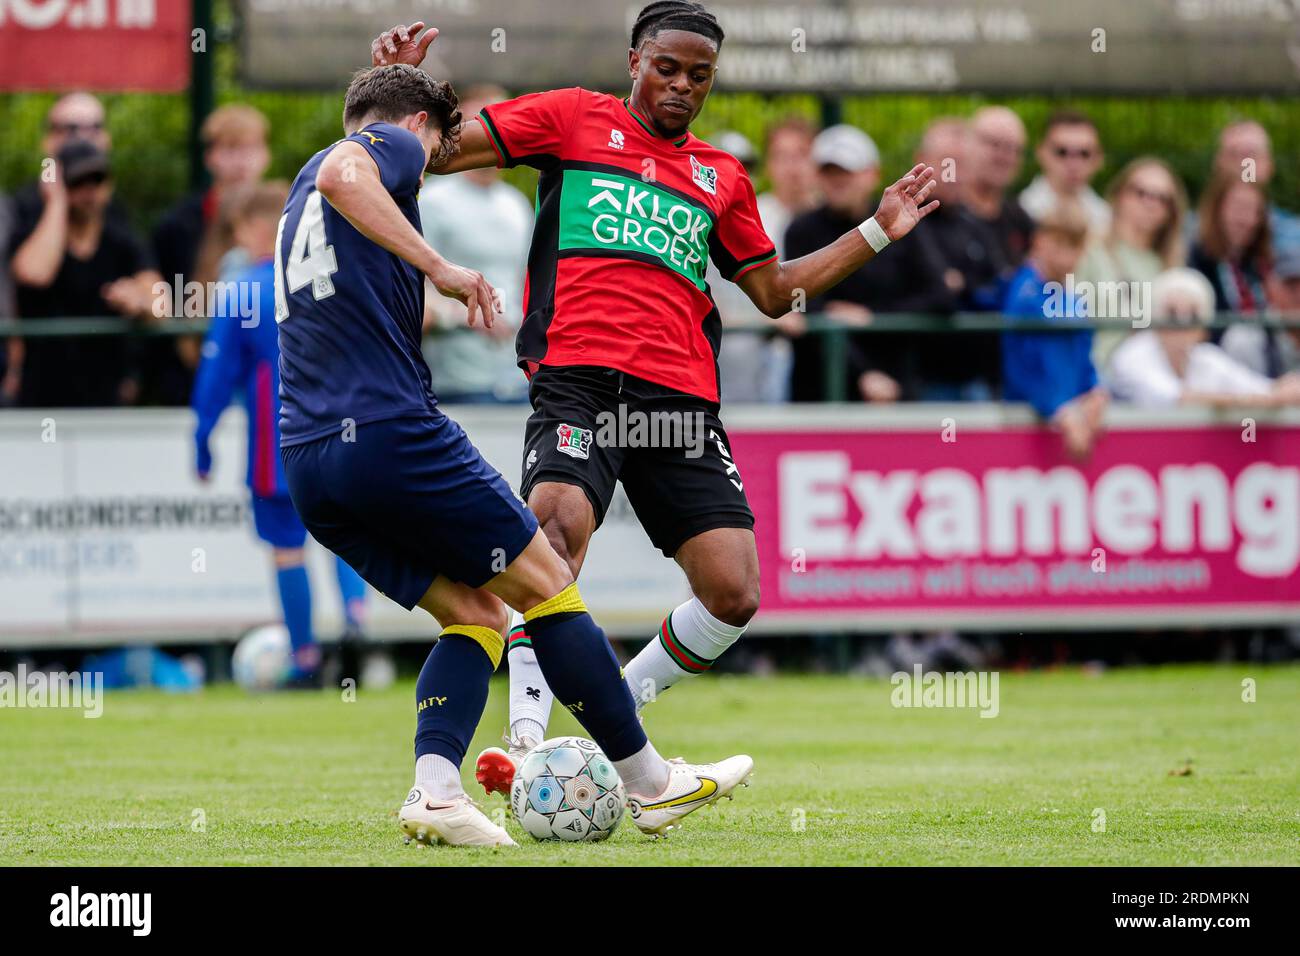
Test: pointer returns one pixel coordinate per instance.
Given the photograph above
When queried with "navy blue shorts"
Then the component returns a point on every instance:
(408, 500)
(277, 523)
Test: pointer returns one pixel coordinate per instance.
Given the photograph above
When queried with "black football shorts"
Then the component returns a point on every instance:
(593, 426)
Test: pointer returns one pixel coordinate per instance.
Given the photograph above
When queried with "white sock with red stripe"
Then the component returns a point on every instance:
(530, 697)
(690, 639)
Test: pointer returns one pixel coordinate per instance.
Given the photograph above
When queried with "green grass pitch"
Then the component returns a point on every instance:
(841, 777)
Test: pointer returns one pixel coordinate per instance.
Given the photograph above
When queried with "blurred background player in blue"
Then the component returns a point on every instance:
(1053, 371)
(242, 351)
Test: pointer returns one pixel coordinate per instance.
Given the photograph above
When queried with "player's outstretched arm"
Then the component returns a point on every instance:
(773, 288)
(349, 180)
(403, 44)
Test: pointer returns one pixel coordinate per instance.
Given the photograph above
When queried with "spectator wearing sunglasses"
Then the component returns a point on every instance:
(74, 116)
(1148, 205)
(1069, 156)
(74, 261)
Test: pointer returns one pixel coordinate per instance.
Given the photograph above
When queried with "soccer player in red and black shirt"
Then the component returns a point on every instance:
(619, 327)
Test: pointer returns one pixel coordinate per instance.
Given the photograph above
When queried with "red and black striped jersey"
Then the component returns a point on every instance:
(626, 221)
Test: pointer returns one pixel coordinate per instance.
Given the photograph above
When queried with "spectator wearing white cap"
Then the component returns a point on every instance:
(908, 279)
(1175, 363)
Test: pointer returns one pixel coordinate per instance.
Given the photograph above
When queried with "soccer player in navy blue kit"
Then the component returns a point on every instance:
(386, 481)
(242, 352)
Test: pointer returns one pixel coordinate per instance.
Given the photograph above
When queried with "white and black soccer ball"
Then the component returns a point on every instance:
(263, 658)
(567, 789)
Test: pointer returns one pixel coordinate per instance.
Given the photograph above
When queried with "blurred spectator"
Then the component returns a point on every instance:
(905, 277)
(759, 370)
(1246, 152)
(7, 308)
(753, 364)
(1233, 244)
(480, 222)
(996, 150)
(1233, 250)
(1284, 299)
(1051, 370)
(73, 116)
(1145, 238)
(75, 260)
(791, 174)
(960, 366)
(1176, 363)
(242, 352)
(192, 239)
(1069, 156)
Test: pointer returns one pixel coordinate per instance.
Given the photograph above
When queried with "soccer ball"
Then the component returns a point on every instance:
(567, 790)
(262, 659)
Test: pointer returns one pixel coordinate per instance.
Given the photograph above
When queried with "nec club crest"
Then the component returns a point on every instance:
(574, 441)
(706, 177)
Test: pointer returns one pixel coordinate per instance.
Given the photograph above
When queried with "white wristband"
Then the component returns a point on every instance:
(874, 235)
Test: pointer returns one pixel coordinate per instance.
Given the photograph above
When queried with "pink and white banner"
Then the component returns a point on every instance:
(868, 520)
(860, 528)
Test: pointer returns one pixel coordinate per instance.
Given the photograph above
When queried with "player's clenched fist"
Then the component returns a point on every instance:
(457, 282)
(904, 204)
(399, 45)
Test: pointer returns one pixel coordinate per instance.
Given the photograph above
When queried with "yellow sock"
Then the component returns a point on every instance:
(492, 642)
(567, 600)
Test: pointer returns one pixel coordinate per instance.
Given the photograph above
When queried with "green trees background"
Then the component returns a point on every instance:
(151, 163)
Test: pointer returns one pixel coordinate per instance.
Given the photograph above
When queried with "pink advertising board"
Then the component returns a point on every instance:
(867, 528)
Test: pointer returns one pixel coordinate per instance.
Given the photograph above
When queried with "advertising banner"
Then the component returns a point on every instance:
(981, 525)
(110, 45)
(914, 517)
(828, 46)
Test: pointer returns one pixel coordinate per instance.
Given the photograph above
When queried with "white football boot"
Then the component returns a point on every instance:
(690, 786)
(456, 822)
(495, 768)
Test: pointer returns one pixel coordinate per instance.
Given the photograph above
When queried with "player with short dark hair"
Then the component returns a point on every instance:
(619, 320)
(387, 482)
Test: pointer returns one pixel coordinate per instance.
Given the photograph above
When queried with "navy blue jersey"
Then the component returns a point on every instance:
(349, 311)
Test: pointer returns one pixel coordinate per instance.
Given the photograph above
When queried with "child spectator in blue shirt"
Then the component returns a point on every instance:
(1050, 370)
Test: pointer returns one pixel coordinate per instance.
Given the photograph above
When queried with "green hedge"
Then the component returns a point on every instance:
(149, 131)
